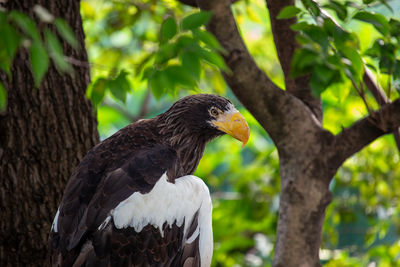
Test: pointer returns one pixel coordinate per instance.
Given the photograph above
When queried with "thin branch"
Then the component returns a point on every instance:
(120, 109)
(284, 37)
(286, 44)
(144, 109)
(364, 131)
(193, 3)
(145, 106)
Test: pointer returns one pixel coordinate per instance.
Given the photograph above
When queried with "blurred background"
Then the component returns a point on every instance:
(362, 225)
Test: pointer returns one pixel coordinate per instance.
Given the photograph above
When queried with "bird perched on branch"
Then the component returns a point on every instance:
(133, 200)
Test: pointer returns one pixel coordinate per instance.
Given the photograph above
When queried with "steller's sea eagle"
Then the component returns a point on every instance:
(133, 200)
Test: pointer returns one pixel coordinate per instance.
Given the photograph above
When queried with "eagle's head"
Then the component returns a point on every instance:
(204, 117)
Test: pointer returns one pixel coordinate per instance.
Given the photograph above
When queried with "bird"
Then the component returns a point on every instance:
(133, 199)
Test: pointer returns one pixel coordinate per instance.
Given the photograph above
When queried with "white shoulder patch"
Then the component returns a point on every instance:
(168, 202)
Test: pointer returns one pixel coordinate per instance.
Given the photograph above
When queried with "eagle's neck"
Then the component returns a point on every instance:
(188, 145)
(190, 150)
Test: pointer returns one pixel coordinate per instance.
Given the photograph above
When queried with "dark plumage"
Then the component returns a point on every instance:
(92, 227)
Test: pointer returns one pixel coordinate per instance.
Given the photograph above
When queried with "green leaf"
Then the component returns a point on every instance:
(5, 63)
(11, 39)
(195, 20)
(303, 61)
(301, 26)
(39, 61)
(180, 75)
(3, 17)
(191, 62)
(119, 86)
(207, 38)
(395, 28)
(157, 84)
(27, 24)
(324, 73)
(312, 7)
(329, 26)
(318, 35)
(169, 29)
(147, 72)
(166, 52)
(97, 91)
(323, 76)
(339, 8)
(9, 43)
(357, 65)
(56, 52)
(212, 58)
(3, 98)
(66, 32)
(377, 20)
(317, 87)
(396, 71)
(343, 39)
(288, 12)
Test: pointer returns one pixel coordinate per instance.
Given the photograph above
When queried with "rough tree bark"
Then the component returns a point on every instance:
(44, 133)
(309, 155)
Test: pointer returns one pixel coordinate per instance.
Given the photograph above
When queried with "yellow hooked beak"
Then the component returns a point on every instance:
(235, 125)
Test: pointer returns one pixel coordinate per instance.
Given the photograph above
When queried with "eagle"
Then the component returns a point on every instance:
(133, 199)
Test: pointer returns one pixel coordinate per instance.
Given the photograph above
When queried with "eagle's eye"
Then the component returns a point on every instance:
(214, 112)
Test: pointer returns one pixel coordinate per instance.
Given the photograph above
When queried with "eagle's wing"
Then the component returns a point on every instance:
(136, 217)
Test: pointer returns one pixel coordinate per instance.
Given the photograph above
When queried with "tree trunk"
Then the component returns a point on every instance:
(303, 201)
(44, 133)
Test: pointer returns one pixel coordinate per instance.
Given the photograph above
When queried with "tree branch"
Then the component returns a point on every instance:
(380, 97)
(364, 131)
(284, 37)
(144, 108)
(286, 44)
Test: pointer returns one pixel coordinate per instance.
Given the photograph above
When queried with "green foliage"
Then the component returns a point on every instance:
(172, 66)
(66, 33)
(288, 12)
(39, 60)
(18, 29)
(118, 87)
(195, 20)
(3, 97)
(331, 54)
(169, 29)
(378, 20)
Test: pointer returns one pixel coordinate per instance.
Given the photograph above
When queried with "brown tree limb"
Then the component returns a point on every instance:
(363, 132)
(380, 97)
(286, 44)
(284, 37)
